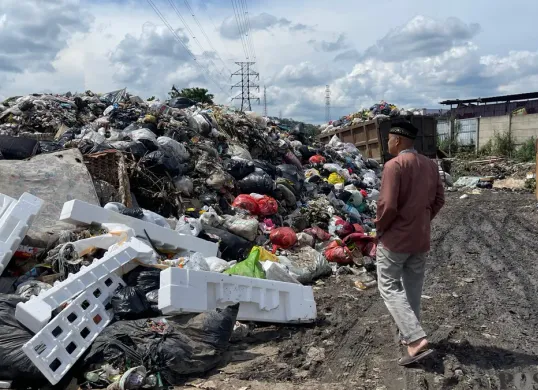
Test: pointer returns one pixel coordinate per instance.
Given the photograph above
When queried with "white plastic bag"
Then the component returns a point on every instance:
(238, 151)
(184, 185)
(196, 262)
(217, 265)
(139, 134)
(173, 148)
(189, 226)
(243, 227)
(211, 218)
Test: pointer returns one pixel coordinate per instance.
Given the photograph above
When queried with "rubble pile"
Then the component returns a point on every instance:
(381, 110)
(188, 208)
(494, 172)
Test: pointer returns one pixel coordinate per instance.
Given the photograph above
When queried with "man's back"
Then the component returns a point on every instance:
(411, 195)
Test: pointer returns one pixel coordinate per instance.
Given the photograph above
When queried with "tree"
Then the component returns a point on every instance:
(199, 95)
(151, 99)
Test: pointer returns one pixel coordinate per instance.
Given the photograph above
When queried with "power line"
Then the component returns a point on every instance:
(245, 84)
(205, 35)
(240, 29)
(249, 30)
(193, 36)
(328, 103)
(178, 39)
(264, 101)
(218, 34)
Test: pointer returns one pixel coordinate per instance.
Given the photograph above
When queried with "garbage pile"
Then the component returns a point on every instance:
(139, 233)
(381, 111)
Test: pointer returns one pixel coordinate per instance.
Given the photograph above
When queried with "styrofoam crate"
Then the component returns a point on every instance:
(261, 300)
(16, 217)
(78, 212)
(37, 312)
(57, 347)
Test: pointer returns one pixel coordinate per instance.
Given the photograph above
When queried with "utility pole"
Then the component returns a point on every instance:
(280, 116)
(246, 85)
(264, 101)
(327, 104)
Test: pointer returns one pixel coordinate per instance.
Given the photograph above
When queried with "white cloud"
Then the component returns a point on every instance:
(422, 37)
(262, 22)
(329, 46)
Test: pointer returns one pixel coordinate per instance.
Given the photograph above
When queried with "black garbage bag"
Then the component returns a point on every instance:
(239, 168)
(49, 146)
(67, 136)
(138, 149)
(176, 347)
(325, 188)
(232, 247)
(14, 364)
(268, 168)
(209, 198)
(87, 146)
(291, 173)
(258, 182)
(135, 212)
(159, 163)
(181, 102)
(130, 303)
(17, 148)
(146, 279)
(307, 152)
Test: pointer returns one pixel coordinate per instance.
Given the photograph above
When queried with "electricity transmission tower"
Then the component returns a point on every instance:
(327, 104)
(264, 101)
(247, 76)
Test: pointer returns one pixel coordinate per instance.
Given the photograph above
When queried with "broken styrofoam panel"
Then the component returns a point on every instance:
(261, 300)
(82, 213)
(58, 345)
(16, 217)
(37, 312)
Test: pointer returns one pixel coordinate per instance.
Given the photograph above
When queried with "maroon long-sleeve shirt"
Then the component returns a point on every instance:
(411, 195)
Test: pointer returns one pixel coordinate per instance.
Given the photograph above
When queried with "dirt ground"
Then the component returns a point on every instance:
(480, 309)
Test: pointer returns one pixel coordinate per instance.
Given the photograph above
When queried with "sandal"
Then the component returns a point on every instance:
(407, 360)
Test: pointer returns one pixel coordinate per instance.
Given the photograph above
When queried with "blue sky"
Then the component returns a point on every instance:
(413, 53)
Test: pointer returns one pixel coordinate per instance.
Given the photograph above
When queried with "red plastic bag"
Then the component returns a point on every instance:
(318, 233)
(283, 237)
(344, 228)
(364, 242)
(317, 159)
(267, 205)
(337, 252)
(246, 202)
(364, 193)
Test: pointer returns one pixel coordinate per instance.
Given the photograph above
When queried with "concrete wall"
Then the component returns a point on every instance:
(524, 127)
(489, 126)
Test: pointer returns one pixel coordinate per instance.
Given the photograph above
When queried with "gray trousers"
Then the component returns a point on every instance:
(400, 280)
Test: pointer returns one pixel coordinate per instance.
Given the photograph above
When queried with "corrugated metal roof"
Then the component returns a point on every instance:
(504, 98)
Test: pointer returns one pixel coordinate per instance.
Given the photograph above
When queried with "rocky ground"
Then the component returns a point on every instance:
(480, 309)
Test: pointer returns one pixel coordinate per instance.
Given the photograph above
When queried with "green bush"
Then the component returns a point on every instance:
(527, 151)
(503, 144)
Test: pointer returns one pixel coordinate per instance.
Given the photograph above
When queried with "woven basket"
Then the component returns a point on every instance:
(109, 166)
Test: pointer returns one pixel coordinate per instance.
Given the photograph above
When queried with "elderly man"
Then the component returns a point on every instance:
(411, 196)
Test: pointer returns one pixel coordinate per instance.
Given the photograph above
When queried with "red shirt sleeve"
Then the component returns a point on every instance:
(439, 201)
(387, 205)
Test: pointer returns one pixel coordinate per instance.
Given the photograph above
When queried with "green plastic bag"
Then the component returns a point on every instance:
(250, 267)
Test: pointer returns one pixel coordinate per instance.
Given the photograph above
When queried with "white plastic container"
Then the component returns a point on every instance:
(260, 300)
(82, 213)
(16, 217)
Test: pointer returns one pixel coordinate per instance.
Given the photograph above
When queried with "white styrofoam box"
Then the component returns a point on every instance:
(78, 212)
(57, 347)
(261, 300)
(16, 217)
(37, 312)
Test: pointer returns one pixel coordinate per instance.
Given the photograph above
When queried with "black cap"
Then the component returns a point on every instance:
(403, 128)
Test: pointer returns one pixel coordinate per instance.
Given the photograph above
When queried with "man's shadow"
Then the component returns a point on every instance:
(481, 357)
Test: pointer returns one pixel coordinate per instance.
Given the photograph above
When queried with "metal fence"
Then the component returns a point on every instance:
(467, 131)
(443, 130)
